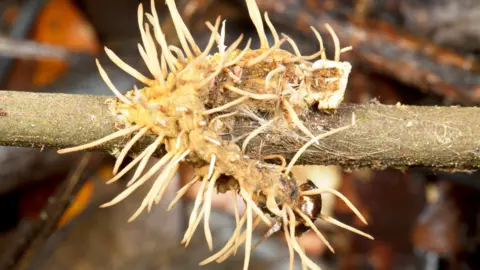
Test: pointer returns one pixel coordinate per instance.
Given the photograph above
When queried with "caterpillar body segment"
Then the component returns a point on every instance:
(186, 95)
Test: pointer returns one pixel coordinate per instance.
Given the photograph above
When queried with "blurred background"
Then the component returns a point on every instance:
(417, 52)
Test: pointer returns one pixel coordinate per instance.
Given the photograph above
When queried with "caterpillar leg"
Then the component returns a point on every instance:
(274, 229)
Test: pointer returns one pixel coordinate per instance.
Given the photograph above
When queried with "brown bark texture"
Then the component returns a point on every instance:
(398, 136)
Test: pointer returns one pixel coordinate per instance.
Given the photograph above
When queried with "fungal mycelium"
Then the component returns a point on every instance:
(190, 89)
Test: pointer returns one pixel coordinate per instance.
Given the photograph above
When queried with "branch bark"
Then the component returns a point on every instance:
(399, 136)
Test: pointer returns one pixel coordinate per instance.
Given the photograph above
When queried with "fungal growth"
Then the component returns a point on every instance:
(190, 90)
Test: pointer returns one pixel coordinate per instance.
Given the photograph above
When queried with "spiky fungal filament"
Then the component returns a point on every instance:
(189, 90)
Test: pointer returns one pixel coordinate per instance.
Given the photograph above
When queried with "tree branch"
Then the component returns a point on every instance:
(384, 136)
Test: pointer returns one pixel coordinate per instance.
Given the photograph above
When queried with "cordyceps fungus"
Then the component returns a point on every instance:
(175, 107)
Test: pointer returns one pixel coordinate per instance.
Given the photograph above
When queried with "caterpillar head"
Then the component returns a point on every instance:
(290, 194)
(310, 205)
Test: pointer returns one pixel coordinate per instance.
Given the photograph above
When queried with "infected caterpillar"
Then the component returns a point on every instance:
(190, 90)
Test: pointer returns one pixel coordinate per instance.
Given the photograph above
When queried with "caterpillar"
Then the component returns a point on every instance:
(191, 90)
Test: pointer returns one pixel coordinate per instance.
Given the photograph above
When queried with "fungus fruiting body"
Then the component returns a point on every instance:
(176, 108)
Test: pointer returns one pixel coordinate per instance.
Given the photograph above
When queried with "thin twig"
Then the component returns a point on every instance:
(383, 136)
(30, 236)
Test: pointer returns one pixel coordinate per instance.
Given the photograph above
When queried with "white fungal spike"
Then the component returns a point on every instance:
(177, 22)
(250, 94)
(336, 42)
(295, 245)
(293, 44)
(272, 28)
(110, 85)
(339, 195)
(294, 118)
(160, 37)
(193, 215)
(320, 42)
(279, 69)
(265, 54)
(208, 208)
(313, 140)
(141, 181)
(129, 166)
(127, 68)
(240, 55)
(229, 244)
(175, 107)
(225, 106)
(177, 19)
(256, 18)
(287, 237)
(248, 242)
(248, 199)
(345, 226)
(254, 133)
(127, 148)
(212, 166)
(103, 140)
(152, 53)
(314, 228)
(182, 192)
(240, 239)
(150, 150)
